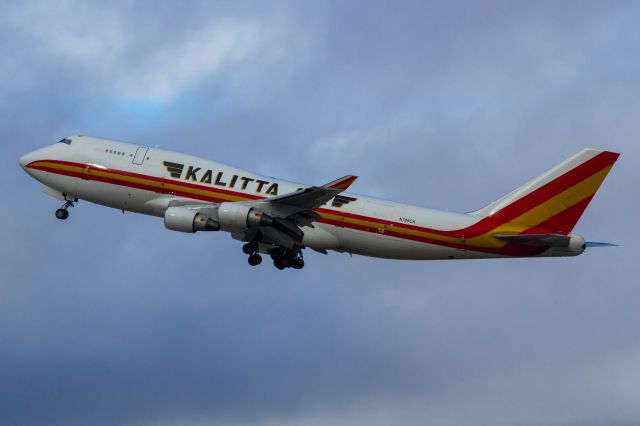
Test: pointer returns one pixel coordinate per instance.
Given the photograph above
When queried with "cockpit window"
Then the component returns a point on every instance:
(65, 140)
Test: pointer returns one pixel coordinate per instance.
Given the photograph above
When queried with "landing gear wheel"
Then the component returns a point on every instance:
(283, 258)
(249, 248)
(297, 263)
(286, 261)
(276, 254)
(62, 214)
(255, 259)
(278, 264)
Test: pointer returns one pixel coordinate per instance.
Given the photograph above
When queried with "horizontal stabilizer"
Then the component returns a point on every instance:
(536, 240)
(594, 244)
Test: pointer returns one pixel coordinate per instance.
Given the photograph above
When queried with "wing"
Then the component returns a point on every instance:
(289, 212)
(299, 206)
(281, 217)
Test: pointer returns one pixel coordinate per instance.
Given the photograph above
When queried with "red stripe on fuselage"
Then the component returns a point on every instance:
(506, 250)
(483, 226)
(135, 175)
(517, 208)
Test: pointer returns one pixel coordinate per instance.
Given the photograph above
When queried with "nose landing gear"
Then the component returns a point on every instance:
(62, 213)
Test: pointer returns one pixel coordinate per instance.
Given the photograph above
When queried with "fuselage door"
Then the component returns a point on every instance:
(86, 172)
(141, 153)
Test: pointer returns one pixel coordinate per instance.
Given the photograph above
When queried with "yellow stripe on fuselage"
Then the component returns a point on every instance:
(57, 166)
(531, 218)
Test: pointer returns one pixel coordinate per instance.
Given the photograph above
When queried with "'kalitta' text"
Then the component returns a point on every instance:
(196, 174)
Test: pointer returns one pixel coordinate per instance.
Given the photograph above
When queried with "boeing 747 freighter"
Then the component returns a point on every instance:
(280, 218)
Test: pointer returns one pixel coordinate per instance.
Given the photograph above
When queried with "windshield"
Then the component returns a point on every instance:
(65, 140)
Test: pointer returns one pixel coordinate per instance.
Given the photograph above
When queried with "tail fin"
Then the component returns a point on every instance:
(555, 200)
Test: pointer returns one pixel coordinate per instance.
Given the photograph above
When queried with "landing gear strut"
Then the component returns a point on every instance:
(62, 213)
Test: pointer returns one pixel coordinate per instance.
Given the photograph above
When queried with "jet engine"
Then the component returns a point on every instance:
(230, 217)
(235, 217)
(183, 219)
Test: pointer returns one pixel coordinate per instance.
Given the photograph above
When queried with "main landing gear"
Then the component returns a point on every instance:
(62, 213)
(252, 250)
(282, 258)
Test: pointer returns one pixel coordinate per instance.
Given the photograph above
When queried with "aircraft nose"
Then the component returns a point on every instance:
(28, 158)
(24, 160)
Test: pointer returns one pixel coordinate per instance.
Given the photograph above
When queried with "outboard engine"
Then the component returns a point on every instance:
(183, 219)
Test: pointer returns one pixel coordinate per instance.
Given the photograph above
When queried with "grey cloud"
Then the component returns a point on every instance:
(108, 319)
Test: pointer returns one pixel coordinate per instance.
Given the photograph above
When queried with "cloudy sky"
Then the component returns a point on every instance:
(109, 319)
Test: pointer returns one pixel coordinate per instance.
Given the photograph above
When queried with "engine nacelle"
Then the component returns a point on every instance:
(230, 217)
(183, 219)
(234, 217)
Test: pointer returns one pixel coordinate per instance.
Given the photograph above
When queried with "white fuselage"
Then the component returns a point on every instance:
(137, 179)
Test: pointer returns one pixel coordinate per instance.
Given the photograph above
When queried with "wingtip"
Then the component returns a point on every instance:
(342, 183)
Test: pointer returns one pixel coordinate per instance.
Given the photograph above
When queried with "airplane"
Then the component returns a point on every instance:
(280, 218)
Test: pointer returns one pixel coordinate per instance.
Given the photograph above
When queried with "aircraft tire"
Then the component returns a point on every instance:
(255, 259)
(278, 264)
(248, 248)
(276, 253)
(62, 214)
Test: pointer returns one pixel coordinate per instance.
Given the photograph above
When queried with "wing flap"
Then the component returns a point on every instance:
(278, 237)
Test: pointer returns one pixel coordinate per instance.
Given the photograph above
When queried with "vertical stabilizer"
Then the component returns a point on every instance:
(556, 199)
